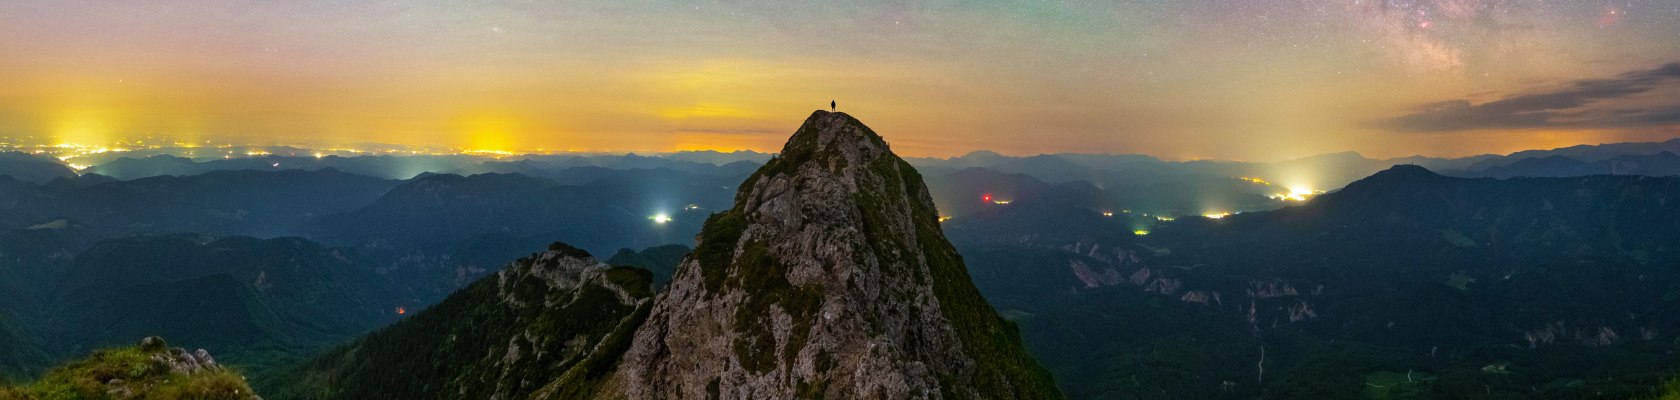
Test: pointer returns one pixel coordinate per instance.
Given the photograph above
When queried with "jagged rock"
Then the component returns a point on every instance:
(545, 326)
(153, 343)
(829, 278)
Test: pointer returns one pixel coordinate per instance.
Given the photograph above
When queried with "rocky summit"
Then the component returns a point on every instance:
(829, 278)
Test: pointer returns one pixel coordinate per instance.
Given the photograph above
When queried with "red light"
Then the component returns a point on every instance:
(986, 197)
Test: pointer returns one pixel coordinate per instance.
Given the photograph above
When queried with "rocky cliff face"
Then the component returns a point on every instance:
(830, 278)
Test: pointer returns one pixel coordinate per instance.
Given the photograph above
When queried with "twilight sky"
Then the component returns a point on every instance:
(1234, 79)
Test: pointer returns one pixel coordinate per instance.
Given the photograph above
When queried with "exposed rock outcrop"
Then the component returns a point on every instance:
(830, 278)
(151, 370)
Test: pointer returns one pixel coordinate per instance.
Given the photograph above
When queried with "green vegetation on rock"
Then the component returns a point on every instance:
(151, 370)
(552, 323)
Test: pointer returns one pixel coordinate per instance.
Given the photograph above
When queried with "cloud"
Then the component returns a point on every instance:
(1564, 107)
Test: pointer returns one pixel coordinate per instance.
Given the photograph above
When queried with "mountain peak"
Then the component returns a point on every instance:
(1404, 171)
(1401, 182)
(829, 278)
(831, 133)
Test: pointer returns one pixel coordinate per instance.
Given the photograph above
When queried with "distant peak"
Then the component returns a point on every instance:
(1340, 154)
(1406, 170)
(1400, 174)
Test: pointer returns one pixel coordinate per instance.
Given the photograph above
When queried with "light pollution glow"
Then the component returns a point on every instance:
(1252, 80)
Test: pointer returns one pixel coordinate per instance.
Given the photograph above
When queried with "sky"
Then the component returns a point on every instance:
(1253, 80)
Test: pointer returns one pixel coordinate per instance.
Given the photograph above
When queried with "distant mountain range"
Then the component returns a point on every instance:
(392, 244)
(259, 301)
(1136, 182)
(1403, 284)
(30, 168)
(1536, 274)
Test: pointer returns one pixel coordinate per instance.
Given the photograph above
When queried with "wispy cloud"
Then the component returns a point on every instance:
(727, 131)
(1569, 106)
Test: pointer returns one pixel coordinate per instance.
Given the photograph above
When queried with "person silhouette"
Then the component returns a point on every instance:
(831, 105)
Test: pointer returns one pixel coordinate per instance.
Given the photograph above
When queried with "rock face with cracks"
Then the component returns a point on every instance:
(829, 278)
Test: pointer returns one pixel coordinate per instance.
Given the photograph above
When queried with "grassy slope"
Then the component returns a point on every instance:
(144, 377)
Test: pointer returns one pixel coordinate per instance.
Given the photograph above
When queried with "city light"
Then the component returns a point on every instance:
(1297, 194)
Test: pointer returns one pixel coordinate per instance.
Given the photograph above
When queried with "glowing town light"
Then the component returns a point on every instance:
(401, 311)
(1216, 215)
(1000, 202)
(944, 218)
(1108, 213)
(1297, 194)
(1164, 219)
(1140, 232)
(692, 207)
(660, 218)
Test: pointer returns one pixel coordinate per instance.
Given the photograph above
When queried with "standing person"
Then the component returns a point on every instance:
(831, 105)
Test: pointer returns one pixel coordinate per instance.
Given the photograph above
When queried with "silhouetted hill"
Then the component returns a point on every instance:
(661, 261)
(257, 302)
(438, 210)
(444, 231)
(30, 168)
(221, 202)
(966, 191)
(1550, 166)
(1660, 164)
